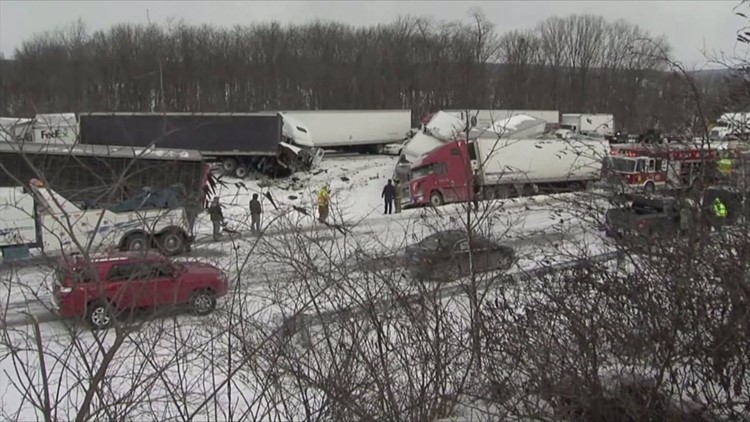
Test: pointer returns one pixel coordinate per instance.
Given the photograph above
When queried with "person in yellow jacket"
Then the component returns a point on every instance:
(323, 198)
(725, 166)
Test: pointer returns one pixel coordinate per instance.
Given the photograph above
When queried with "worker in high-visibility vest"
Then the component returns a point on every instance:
(725, 166)
(720, 213)
(323, 198)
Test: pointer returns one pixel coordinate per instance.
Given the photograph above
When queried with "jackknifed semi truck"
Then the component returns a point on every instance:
(363, 131)
(268, 143)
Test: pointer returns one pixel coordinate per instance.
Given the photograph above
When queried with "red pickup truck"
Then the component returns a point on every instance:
(103, 287)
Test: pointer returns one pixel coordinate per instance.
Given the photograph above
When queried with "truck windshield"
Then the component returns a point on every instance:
(623, 165)
(421, 171)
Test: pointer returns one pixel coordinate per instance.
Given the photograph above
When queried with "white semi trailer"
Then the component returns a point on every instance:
(593, 124)
(526, 166)
(486, 118)
(354, 130)
(734, 124)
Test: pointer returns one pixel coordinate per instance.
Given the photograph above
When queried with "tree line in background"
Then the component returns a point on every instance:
(578, 63)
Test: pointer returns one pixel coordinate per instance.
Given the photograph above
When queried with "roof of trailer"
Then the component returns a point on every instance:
(101, 151)
(182, 114)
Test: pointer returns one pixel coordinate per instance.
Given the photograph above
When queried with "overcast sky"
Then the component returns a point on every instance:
(690, 26)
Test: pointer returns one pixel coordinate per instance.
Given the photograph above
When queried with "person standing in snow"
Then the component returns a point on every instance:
(217, 217)
(255, 211)
(323, 198)
(388, 195)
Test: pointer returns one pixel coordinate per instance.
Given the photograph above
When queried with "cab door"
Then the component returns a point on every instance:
(125, 285)
(165, 285)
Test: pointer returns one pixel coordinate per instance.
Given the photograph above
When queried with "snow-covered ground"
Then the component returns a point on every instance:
(293, 264)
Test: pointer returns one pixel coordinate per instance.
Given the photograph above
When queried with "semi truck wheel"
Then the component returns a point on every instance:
(229, 164)
(240, 172)
(136, 242)
(172, 243)
(497, 192)
(436, 199)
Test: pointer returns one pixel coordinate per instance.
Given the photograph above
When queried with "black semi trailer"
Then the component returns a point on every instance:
(241, 142)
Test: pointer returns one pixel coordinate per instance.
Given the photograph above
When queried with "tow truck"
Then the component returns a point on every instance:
(36, 216)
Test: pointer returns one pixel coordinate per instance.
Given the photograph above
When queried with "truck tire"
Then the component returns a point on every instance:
(530, 189)
(171, 243)
(649, 188)
(229, 165)
(99, 315)
(136, 242)
(203, 302)
(501, 192)
(240, 172)
(436, 199)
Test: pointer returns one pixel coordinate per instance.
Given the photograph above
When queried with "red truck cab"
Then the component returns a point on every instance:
(443, 175)
(98, 290)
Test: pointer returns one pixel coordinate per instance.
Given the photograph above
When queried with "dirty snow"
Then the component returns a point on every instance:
(356, 184)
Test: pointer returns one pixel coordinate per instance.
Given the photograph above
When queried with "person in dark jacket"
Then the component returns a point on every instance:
(217, 217)
(389, 194)
(255, 211)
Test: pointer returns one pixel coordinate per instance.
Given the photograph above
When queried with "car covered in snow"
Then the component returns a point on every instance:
(103, 287)
(450, 253)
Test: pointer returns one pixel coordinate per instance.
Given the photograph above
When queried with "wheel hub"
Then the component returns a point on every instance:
(171, 242)
(100, 317)
(202, 302)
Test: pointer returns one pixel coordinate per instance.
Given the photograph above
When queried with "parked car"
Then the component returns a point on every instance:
(447, 254)
(102, 288)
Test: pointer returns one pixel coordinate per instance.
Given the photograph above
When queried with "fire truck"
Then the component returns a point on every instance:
(646, 167)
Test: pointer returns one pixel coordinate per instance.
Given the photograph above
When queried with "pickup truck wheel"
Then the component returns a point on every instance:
(229, 165)
(99, 315)
(436, 199)
(203, 302)
(240, 172)
(136, 243)
(172, 243)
